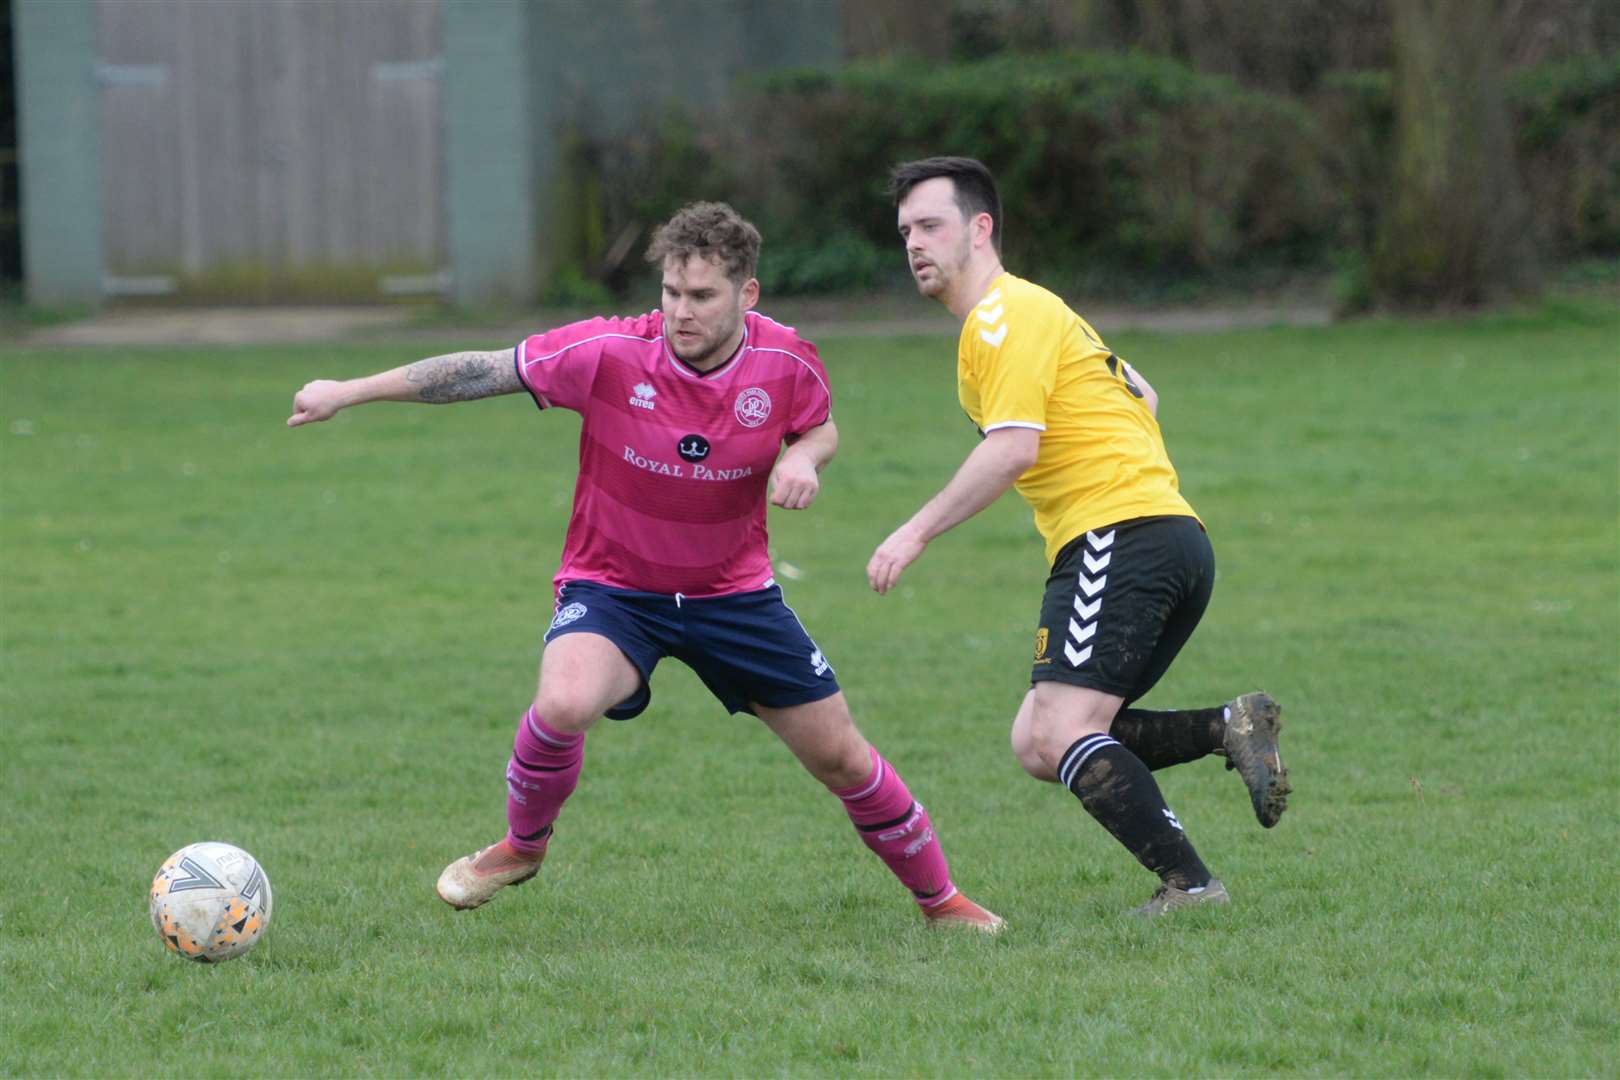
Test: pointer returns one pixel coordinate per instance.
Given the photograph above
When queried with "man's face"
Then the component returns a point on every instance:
(937, 236)
(703, 309)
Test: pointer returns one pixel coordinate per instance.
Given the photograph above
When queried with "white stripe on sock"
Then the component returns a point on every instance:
(1088, 746)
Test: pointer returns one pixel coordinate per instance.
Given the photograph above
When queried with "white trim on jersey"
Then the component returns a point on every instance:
(540, 400)
(1015, 423)
(824, 388)
(527, 364)
(690, 372)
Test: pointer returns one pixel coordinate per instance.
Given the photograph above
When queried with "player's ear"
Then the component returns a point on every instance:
(750, 294)
(984, 227)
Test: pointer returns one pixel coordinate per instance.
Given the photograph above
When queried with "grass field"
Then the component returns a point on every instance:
(316, 643)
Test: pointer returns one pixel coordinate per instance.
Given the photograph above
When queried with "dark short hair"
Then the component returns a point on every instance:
(975, 187)
(710, 230)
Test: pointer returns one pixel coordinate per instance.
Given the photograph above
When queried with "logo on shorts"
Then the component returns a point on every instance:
(566, 615)
(693, 447)
(644, 394)
(753, 407)
(1040, 647)
(818, 662)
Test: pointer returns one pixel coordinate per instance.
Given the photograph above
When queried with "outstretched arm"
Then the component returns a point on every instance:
(796, 480)
(438, 380)
(990, 470)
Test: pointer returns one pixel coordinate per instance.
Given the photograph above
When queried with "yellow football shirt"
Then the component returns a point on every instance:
(1026, 360)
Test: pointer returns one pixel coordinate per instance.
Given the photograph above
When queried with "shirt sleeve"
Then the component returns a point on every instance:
(1014, 358)
(559, 366)
(812, 397)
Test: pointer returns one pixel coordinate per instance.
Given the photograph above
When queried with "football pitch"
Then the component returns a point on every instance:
(315, 644)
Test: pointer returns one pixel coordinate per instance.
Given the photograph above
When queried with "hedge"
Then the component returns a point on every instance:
(1120, 161)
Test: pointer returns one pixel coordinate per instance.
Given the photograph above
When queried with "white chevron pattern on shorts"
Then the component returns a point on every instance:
(1087, 609)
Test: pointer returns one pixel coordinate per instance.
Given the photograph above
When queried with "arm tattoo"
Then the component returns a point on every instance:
(463, 376)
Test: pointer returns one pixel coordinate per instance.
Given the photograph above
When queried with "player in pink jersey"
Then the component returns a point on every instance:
(686, 414)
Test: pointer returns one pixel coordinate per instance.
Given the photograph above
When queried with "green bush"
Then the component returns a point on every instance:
(1122, 169)
(841, 261)
(1356, 113)
(1123, 158)
(1569, 152)
(1566, 119)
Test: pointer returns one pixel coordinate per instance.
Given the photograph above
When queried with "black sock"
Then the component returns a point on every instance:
(1162, 739)
(1119, 791)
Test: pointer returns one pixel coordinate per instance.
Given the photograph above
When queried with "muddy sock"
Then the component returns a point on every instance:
(1162, 739)
(1119, 791)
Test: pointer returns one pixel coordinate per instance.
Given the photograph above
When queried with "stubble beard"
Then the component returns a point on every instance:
(941, 281)
(706, 350)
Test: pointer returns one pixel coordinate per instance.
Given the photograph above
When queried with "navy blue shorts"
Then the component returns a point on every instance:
(748, 648)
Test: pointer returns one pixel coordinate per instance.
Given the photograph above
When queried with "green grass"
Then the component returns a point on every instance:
(316, 643)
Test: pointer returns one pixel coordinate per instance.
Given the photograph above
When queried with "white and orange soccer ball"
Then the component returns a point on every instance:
(210, 902)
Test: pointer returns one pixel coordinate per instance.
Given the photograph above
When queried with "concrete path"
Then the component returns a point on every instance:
(816, 318)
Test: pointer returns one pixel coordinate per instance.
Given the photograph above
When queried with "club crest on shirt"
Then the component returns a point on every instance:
(566, 615)
(644, 394)
(753, 407)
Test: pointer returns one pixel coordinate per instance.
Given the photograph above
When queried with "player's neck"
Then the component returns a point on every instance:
(974, 285)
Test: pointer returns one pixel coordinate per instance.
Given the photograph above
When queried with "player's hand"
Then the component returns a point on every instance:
(319, 400)
(896, 553)
(794, 482)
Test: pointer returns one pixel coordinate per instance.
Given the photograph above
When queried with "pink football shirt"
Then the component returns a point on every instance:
(673, 462)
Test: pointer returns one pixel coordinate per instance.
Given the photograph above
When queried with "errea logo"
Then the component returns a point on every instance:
(644, 394)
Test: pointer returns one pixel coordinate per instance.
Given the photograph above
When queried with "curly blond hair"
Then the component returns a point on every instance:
(710, 230)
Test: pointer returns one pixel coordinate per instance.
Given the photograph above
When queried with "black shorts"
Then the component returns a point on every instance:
(748, 648)
(1121, 602)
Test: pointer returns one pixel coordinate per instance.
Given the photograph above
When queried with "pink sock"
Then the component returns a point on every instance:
(539, 777)
(897, 827)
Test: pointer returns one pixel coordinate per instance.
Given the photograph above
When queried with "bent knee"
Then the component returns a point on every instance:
(844, 766)
(1051, 741)
(567, 713)
(1029, 755)
(1064, 713)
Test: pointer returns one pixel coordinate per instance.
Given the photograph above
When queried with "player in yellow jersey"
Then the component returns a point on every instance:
(1074, 428)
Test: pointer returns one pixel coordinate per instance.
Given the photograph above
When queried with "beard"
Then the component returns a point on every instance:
(939, 277)
(932, 286)
(705, 348)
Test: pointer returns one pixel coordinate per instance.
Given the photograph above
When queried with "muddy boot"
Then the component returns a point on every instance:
(1251, 749)
(1169, 898)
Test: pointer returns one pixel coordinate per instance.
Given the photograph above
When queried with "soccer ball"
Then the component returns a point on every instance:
(210, 902)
